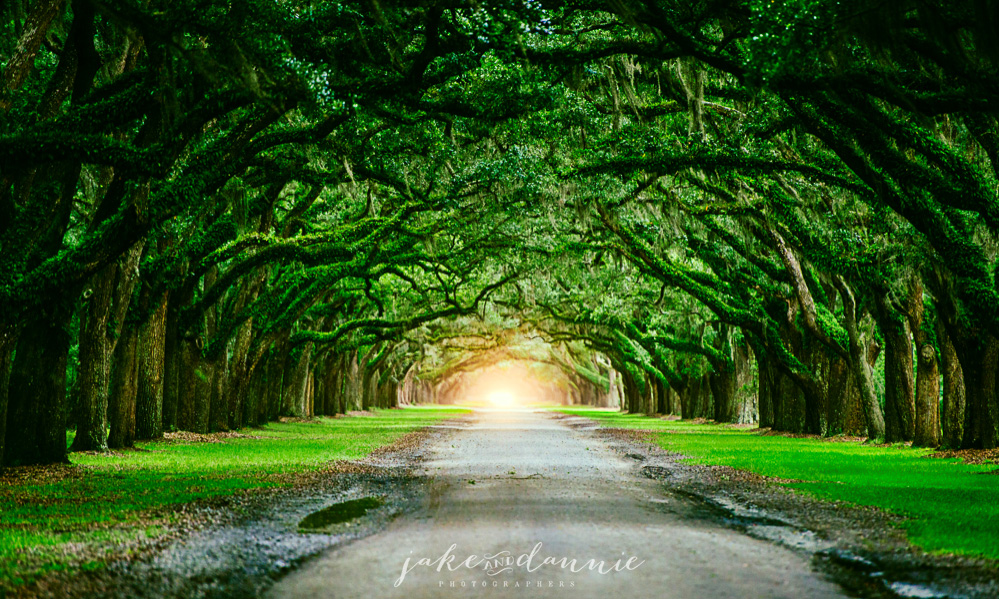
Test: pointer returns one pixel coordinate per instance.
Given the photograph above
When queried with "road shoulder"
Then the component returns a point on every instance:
(862, 548)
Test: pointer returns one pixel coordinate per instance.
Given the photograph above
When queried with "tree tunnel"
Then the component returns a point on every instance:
(214, 217)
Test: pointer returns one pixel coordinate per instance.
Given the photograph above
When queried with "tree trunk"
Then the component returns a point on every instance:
(927, 433)
(690, 396)
(310, 395)
(788, 397)
(256, 393)
(789, 406)
(330, 384)
(873, 416)
(36, 418)
(370, 395)
(352, 383)
(238, 383)
(706, 404)
(841, 392)
(921, 321)
(218, 408)
(125, 374)
(339, 389)
(978, 357)
(817, 400)
(213, 409)
(746, 407)
(607, 399)
(723, 389)
(149, 386)
(632, 393)
(296, 374)
(900, 400)
(368, 369)
(767, 387)
(8, 340)
(649, 399)
(171, 366)
(953, 390)
(386, 394)
(187, 387)
(96, 343)
(662, 397)
(302, 375)
(204, 376)
(276, 374)
(722, 381)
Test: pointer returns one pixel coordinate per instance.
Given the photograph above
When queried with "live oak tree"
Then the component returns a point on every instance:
(216, 214)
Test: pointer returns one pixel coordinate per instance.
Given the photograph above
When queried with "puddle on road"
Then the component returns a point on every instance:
(789, 537)
(910, 590)
(339, 513)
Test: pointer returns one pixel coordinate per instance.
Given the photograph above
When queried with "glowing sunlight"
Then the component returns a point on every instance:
(502, 399)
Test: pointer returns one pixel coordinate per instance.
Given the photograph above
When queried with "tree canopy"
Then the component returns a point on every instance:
(214, 213)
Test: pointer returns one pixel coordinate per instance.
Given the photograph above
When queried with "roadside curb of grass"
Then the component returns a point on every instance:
(101, 562)
(865, 549)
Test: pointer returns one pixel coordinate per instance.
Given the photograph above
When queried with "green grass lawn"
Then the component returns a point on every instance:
(103, 501)
(952, 506)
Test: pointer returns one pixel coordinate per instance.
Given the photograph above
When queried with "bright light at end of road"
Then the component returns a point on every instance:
(501, 399)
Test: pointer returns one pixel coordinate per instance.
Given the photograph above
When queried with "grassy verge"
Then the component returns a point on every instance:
(952, 506)
(64, 518)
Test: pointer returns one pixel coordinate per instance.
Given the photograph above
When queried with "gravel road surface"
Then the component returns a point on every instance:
(517, 496)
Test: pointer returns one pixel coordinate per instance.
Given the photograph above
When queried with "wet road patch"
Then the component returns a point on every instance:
(339, 513)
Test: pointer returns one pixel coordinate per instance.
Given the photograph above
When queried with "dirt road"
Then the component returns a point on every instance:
(517, 487)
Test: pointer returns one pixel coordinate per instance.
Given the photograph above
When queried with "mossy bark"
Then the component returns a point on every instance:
(632, 393)
(237, 389)
(767, 388)
(789, 406)
(149, 386)
(215, 409)
(352, 384)
(296, 384)
(256, 392)
(953, 390)
(649, 398)
(921, 321)
(296, 375)
(187, 384)
(36, 410)
(689, 392)
(746, 382)
(96, 343)
(310, 395)
(927, 431)
(125, 369)
(860, 352)
(609, 398)
(124, 379)
(271, 409)
(8, 340)
(789, 398)
(841, 394)
(705, 404)
(175, 381)
(900, 385)
(817, 398)
(723, 391)
(979, 358)
(662, 397)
